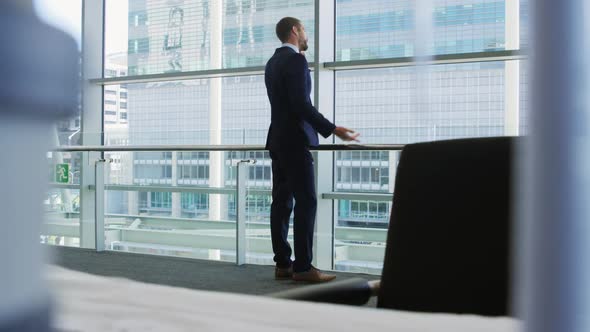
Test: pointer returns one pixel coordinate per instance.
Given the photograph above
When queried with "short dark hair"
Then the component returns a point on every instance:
(284, 27)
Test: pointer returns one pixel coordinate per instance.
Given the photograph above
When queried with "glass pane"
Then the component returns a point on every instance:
(374, 29)
(387, 106)
(386, 28)
(178, 112)
(115, 107)
(190, 223)
(246, 110)
(158, 36)
(184, 221)
(158, 113)
(469, 26)
(360, 235)
(62, 205)
(249, 37)
(361, 225)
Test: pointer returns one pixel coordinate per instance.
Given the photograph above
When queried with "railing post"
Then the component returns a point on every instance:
(241, 178)
(326, 215)
(92, 112)
(99, 204)
(324, 90)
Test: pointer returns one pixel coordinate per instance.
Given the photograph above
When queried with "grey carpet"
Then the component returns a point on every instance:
(181, 272)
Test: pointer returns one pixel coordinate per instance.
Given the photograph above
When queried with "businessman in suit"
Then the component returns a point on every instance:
(295, 124)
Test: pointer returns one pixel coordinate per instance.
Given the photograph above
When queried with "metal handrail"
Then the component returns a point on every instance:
(435, 59)
(131, 148)
(438, 59)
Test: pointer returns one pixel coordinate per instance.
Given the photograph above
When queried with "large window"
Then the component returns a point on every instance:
(191, 72)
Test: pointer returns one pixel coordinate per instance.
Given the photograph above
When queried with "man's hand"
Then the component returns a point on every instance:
(345, 134)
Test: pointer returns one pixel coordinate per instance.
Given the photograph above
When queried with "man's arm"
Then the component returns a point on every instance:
(297, 70)
(297, 92)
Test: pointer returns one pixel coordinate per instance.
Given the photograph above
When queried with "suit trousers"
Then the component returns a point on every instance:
(293, 178)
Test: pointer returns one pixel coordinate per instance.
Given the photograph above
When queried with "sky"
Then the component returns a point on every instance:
(66, 15)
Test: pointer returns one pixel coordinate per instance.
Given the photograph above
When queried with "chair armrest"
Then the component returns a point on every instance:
(354, 291)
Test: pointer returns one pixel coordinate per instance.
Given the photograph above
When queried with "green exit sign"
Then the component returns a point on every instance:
(62, 173)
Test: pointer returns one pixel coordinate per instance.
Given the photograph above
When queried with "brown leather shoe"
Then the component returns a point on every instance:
(283, 272)
(313, 275)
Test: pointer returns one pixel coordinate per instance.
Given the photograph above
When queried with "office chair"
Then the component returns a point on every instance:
(448, 243)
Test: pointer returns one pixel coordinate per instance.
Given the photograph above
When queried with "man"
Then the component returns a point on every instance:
(294, 128)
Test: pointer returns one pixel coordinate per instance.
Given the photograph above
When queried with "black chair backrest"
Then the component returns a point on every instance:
(449, 233)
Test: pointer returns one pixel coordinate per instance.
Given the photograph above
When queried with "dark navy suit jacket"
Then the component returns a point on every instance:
(295, 122)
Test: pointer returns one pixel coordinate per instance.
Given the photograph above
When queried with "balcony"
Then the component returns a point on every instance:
(213, 202)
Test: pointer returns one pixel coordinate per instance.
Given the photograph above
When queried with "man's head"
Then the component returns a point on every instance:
(291, 30)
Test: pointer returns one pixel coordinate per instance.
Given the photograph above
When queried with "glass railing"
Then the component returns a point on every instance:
(213, 202)
(62, 201)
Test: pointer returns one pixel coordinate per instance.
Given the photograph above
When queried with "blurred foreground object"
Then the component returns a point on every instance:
(554, 273)
(38, 85)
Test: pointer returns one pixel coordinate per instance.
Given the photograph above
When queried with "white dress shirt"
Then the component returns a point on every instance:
(293, 47)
